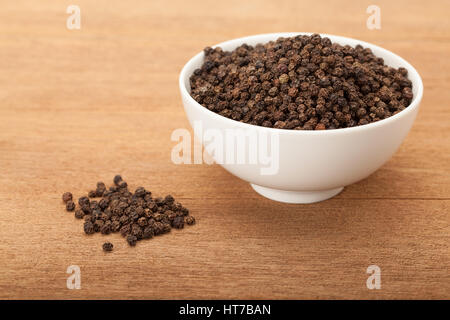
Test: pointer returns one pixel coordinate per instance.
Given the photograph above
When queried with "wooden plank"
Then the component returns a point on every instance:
(80, 106)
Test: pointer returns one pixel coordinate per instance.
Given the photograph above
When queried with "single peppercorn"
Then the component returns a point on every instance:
(158, 228)
(131, 240)
(142, 221)
(125, 230)
(284, 78)
(83, 201)
(66, 197)
(94, 205)
(70, 206)
(190, 220)
(106, 228)
(107, 246)
(123, 185)
(166, 227)
(148, 232)
(178, 222)
(169, 199)
(103, 203)
(101, 189)
(86, 209)
(115, 226)
(79, 214)
(117, 179)
(88, 227)
(140, 192)
(184, 211)
(98, 224)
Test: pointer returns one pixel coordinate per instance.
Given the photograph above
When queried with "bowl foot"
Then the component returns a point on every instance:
(296, 196)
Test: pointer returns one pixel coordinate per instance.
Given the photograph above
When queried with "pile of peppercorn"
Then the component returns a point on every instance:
(135, 215)
(301, 83)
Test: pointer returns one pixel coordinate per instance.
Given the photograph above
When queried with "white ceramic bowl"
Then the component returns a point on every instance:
(313, 165)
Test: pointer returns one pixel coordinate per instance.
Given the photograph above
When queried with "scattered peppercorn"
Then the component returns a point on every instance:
(108, 246)
(300, 83)
(132, 240)
(67, 196)
(88, 227)
(79, 214)
(106, 228)
(70, 206)
(148, 233)
(101, 189)
(178, 223)
(135, 215)
(190, 220)
(123, 185)
(84, 201)
(140, 192)
(117, 180)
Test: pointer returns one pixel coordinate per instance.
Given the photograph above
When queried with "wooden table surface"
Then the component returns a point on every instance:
(78, 106)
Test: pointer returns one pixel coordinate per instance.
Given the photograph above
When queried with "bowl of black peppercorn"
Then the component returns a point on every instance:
(298, 115)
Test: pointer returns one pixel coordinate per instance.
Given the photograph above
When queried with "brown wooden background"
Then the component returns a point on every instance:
(79, 106)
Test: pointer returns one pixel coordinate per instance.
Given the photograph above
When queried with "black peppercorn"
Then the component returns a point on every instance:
(169, 199)
(106, 228)
(300, 83)
(84, 201)
(66, 197)
(148, 232)
(115, 226)
(140, 192)
(166, 227)
(123, 185)
(158, 228)
(101, 189)
(79, 214)
(117, 180)
(190, 220)
(135, 215)
(88, 227)
(125, 230)
(142, 221)
(70, 206)
(107, 246)
(131, 240)
(178, 222)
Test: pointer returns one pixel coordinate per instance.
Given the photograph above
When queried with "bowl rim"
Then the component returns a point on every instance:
(409, 109)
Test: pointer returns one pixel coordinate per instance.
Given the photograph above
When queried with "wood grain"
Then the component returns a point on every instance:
(79, 106)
